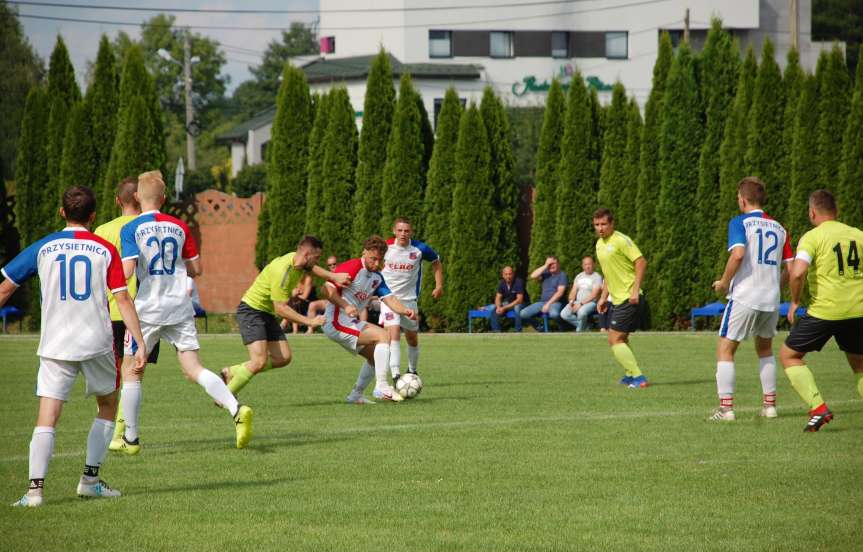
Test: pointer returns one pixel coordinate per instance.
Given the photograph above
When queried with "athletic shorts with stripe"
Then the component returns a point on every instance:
(57, 377)
(389, 317)
(119, 331)
(343, 329)
(183, 336)
(740, 322)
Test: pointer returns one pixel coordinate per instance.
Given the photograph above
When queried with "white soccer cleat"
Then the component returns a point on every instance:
(769, 412)
(356, 397)
(720, 415)
(387, 394)
(28, 501)
(100, 489)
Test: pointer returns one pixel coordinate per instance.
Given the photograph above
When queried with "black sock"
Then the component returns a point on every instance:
(36, 484)
(91, 471)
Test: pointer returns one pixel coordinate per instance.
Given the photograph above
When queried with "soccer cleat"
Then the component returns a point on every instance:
(100, 489)
(356, 397)
(818, 418)
(625, 380)
(387, 394)
(396, 379)
(243, 421)
(124, 446)
(768, 411)
(638, 382)
(28, 501)
(720, 415)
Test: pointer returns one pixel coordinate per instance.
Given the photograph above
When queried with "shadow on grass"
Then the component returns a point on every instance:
(485, 383)
(684, 382)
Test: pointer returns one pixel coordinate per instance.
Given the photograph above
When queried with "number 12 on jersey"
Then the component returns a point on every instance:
(764, 255)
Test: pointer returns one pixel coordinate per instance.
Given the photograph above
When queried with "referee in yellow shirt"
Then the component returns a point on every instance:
(832, 251)
(623, 268)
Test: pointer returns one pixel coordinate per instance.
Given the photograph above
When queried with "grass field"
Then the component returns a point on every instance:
(518, 442)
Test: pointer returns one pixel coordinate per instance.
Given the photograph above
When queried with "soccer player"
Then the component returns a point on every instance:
(161, 251)
(345, 328)
(402, 273)
(759, 248)
(75, 269)
(267, 298)
(833, 251)
(623, 266)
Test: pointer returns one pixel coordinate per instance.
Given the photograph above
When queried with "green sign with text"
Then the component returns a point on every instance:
(530, 83)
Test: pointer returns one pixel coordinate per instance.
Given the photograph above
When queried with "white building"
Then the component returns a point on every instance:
(518, 46)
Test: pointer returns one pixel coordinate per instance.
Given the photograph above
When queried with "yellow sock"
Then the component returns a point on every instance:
(859, 383)
(623, 354)
(240, 376)
(804, 383)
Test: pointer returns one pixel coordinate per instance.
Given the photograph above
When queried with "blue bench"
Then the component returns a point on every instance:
(718, 309)
(482, 313)
(10, 312)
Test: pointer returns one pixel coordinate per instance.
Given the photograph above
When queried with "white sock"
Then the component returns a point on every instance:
(767, 371)
(725, 378)
(131, 400)
(395, 358)
(41, 449)
(100, 435)
(413, 358)
(382, 357)
(365, 377)
(216, 388)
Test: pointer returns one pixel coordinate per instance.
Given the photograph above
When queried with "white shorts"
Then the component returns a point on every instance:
(390, 318)
(56, 377)
(740, 322)
(344, 330)
(183, 336)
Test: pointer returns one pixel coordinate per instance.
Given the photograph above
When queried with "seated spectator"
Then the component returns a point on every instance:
(510, 296)
(554, 282)
(585, 291)
(192, 290)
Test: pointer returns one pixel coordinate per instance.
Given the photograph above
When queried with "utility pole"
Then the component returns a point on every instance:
(795, 29)
(190, 109)
(686, 27)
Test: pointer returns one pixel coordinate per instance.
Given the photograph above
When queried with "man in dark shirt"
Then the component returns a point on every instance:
(510, 296)
(554, 283)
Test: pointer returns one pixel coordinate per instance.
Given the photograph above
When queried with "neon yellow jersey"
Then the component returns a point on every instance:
(274, 283)
(110, 231)
(616, 256)
(834, 252)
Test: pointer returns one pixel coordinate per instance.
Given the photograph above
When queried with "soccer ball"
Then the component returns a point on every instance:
(409, 385)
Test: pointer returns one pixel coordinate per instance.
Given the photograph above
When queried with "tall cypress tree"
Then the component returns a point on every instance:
(378, 112)
(648, 178)
(78, 166)
(792, 84)
(501, 171)
(472, 263)
(611, 177)
(679, 149)
(339, 170)
(598, 124)
(103, 99)
(804, 159)
(834, 98)
(437, 204)
(63, 93)
(543, 234)
(625, 217)
(576, 196)
(851, 189)
(315, 190)
(288, 162)
(403, 178)
(426, 135)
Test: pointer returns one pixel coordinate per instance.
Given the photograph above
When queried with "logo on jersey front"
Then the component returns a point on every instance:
(413, 256)
(402, 267)
(390, 316)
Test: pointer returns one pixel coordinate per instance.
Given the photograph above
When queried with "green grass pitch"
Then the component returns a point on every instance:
(518, 442)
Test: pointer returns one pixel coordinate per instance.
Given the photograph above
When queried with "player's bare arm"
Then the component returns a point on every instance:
(130, 319)
(341, 279)
(602, 304)
(437, 267)
(7, 288)
(194, 267)
(640, 268)
(735, 259)
(796, 277)
(282, 309)
(393, 302)
(129, 267)
(337, 300)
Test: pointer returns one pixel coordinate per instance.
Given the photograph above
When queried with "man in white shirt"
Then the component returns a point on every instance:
(585, 290)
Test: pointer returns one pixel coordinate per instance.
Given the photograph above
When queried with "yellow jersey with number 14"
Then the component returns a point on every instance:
(617, 256)
(834, 252)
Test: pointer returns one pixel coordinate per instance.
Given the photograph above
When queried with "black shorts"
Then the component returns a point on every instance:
(258, 325)
(118, 328)
(627, 318)
(810, 334)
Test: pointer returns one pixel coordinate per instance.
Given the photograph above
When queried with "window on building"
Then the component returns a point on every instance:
(500, 44)
(617, 45)
(440, 44)
(560, 44)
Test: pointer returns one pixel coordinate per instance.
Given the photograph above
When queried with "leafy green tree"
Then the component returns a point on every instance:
(598, 125)
(403, 178)
(250, 180)
(834, 98)
(501, 172)
(543, 235)
(804, 159)
(103, 99)
(839, 20)
(679, 149)
(78, 166)
(851, 189)
(437, 204)
(576, 196)
(472, 265)
(339, 170)
(378, 110)
(287, 163)
(625, 216)
(648, 178)
(612, 174)
(792, 84)
(22, 69)
(315, 190)
(63, 93)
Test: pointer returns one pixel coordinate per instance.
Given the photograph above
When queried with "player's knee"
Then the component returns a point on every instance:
(256, 364)
(281, 361)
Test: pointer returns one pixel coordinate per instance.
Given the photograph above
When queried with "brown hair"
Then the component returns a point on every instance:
(823, 201)
(311, 241)
(602, 213)
(752, 190)
(79, 202)
(126, 190)
(375, 243)
(402, 219)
